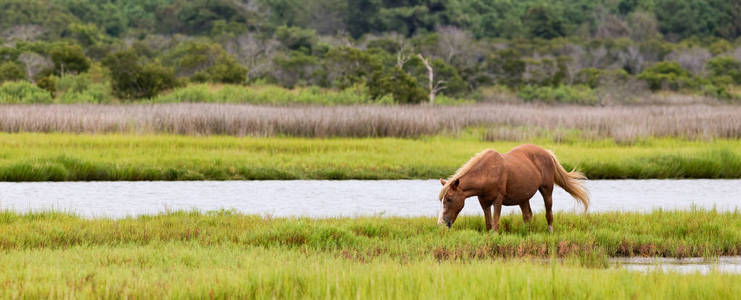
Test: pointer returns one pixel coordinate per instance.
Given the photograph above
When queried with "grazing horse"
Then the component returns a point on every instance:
(508, 179)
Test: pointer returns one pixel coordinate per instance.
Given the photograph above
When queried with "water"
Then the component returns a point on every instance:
(723, 264)
(320, 198)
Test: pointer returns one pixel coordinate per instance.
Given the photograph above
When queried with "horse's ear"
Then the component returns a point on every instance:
(442, 181)
(455, 184)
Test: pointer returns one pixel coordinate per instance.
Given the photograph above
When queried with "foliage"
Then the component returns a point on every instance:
(297, 39)
(68, 58)
(23, 92)
(338, 44)
(346, 66)
(133, 78)
(397, 83)
(544, 21)
(508, 19)
(11, 71)
(666, 75)
(560, 94)
(81, 89)
(725, 69)
(265, 94)
(206, 62)
(507, 66)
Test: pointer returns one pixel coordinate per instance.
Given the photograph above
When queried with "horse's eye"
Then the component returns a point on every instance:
(448, 200)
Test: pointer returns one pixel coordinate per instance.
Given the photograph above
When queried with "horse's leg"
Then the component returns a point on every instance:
(497, 212)
(527, 213)
(547, 192)
(486, 206)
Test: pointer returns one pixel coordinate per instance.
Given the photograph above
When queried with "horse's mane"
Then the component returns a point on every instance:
(462, 171)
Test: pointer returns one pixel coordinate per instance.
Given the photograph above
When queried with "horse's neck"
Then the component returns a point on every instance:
(470, 187)
(476, 181)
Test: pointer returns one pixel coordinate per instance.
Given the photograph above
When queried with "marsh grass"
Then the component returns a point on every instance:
(223, 254)
(624, 124)
(69, 157)
(660, 233)
(182, 270)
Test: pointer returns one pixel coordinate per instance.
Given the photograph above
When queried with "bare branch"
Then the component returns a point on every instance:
(34, 63)
(433, 86)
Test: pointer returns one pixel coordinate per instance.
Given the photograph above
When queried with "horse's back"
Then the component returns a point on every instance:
(528, 168)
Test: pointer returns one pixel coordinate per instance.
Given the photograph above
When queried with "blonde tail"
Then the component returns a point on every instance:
(570, 182)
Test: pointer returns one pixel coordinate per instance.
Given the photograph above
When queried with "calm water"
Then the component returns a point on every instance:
(318, 198)
(724, 264)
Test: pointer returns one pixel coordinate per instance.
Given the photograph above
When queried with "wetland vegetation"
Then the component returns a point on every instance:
(70, 157)
(226, 254)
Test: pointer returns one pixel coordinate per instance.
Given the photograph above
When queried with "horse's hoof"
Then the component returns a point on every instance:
(550, 228)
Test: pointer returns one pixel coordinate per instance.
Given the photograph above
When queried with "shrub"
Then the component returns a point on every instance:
(723, 69)
(402, 86)
(134, 79)
(508, 67)
(69, 58)
(268, 94)
(206, 62)
(296, 38)
(589, 76)
(11, 71)
(666, 75)
(577, 94)
(48, 83)
(23, 92)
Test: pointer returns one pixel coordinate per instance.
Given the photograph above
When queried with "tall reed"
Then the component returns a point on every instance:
(505, 121)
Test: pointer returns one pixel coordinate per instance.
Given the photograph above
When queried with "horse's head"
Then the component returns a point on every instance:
(451, 202)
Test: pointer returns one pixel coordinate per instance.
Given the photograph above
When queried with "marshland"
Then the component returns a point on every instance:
(509, 122)
(293, 149)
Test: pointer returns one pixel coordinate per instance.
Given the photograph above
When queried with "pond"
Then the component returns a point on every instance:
(321, 198)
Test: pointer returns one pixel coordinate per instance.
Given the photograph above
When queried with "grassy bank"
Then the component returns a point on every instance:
(68, 157)
(221, 254)
(176, 270)
(589, 238)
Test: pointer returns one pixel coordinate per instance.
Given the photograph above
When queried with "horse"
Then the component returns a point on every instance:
(508, 179)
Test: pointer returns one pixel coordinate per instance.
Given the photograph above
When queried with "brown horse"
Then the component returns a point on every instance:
(508, 179)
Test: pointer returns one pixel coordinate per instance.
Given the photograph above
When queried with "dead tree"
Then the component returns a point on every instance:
(401, 59)
(434, 86)
(402, 56)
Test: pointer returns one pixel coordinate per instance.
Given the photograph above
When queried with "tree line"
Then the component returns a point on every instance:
(410, 50)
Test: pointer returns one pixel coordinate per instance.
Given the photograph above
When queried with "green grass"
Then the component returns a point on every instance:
(224, 254)
(586, 236)
(60, 157)
(176, 270)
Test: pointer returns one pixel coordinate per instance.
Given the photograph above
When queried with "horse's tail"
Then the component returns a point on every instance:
(570, 182)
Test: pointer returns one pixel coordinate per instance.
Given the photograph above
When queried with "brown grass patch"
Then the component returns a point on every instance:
(506, 121)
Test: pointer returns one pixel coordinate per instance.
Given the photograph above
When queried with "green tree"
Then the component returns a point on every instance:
(397, 83)
(133, 78)
(544, 21)
(297, 39)
(507, 67)
(666, 75)
(725, 67)
(87, 34)
(68, 58)
(347, 66)
(297, 68)
(11, 71)
(204, 61)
